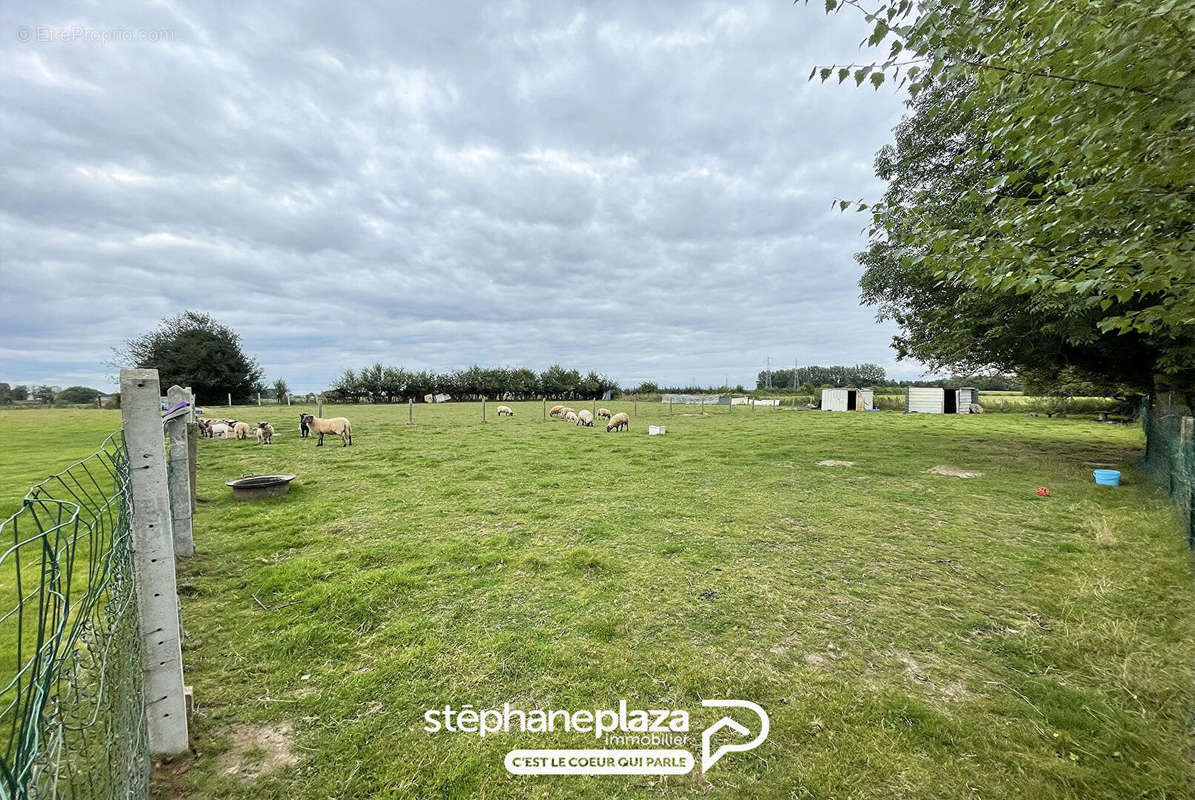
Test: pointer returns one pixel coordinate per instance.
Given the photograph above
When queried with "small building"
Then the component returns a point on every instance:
(937, 400)
(436, 398)
(847, 399)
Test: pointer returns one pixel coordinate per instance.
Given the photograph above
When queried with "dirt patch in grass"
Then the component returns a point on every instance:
(832, 463)
(257, 750)
(955, 472)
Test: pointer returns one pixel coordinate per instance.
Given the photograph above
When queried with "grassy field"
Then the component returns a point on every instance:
(911, 634)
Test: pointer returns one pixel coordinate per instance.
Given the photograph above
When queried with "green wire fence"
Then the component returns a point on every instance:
(72, 714)
(1170, 453)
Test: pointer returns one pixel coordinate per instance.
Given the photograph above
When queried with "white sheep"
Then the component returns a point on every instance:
(565, 411)
(336, 425)
(619, 421)
(241, 430)
(603, 413)
(570, 416)
(218, 430)
(265, 433)
(585, 418)
(505, 411)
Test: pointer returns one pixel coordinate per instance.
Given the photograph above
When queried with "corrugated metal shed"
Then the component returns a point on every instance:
(925, 399)
(847, 399)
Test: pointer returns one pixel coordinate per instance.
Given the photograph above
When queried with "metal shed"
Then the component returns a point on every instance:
(936, 400)
(847, 399)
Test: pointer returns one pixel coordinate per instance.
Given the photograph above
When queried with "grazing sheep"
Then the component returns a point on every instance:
(565, 411)
(585, 418)
(265, 433)
(556, 411)
(205, 428)
(619, 421)
(304, 431)
(241, 430)
(603, 413)
(571, 416)
(219, 430)
(505, 411)
(338, 426)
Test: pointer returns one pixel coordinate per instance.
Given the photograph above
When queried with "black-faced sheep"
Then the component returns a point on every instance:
(505, 411)
(265, 433)
(603, 413)
(338, 426)
(585, 418)
(304, 431)
(619, 422)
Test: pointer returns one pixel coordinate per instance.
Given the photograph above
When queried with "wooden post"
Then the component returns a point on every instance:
(595, 408)
(635, 407)
(153, 563)
(545, 408)
(702, 403)
(288, 398)
(319, 406)
(670, 407)
(259, 399)
(179, 478)
(410, 410)
(483, 408)
(230, 399)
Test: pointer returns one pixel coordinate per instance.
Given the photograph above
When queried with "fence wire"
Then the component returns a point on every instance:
(1170, 455)
(72, 714)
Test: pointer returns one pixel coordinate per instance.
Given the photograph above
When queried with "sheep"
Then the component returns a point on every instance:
(571, 416)
(265, 433)
(241, 430)
(565, 411)
(506, 411)
(219, 430)
(205, 428)
(585, 418)
(336, 425)
(619, 421)
(603, 413)
(556, 411)
(304, 432)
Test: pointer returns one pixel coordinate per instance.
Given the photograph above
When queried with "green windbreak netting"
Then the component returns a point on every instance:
(1169, 452)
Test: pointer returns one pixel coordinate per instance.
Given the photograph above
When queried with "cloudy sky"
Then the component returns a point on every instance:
(638, 188)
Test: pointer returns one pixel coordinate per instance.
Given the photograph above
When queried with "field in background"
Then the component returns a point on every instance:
(911, 634)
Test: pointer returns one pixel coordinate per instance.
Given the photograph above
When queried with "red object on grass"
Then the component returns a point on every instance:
(1043, 492)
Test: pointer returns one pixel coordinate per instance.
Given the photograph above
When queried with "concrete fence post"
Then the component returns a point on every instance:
(178, 471)
(153, 563)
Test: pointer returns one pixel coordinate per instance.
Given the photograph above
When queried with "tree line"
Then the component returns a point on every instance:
(388, 384)
(806, 379)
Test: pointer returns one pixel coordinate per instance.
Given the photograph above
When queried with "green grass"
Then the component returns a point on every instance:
(911, 635)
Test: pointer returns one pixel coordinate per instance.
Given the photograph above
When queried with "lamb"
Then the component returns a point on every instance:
(240, 430)
(205, 428)
(571, 416)
(304, 431)
(506, 411)
(619, 421)
(338, 426)
(585, 418)
(565, 411)
(265, 433)
(556, 411)
(603, 413)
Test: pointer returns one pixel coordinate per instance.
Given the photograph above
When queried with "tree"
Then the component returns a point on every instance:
(281, 390)
(1040, 210)
(193, 349)
(43, 394)
(77, 394)
(20, 393)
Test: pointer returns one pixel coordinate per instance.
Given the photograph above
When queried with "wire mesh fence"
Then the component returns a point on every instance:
(1170, 453)
(72, 710)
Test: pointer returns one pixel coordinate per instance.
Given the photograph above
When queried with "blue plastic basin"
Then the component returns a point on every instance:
(1107, 477)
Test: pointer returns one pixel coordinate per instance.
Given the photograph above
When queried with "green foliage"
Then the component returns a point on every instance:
(193, 349)
(280, 390)
(77, 394)
(382, 384)
(1041, 190)
(858, 375)
(43, 394)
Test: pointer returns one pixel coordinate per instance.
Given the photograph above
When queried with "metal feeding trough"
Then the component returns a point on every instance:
(255, 487)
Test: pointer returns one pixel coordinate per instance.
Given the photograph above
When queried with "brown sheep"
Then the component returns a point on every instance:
(619, 421)
(338, 426)
(556, 411)
(603, 413)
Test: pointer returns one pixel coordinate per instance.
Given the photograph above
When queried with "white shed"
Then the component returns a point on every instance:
(936, 400)
(846, 399)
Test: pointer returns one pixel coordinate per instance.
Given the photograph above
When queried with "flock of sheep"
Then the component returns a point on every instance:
(311, 425)
(584, 418)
